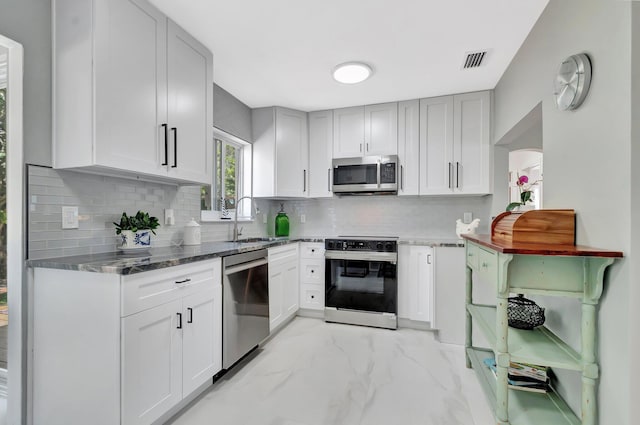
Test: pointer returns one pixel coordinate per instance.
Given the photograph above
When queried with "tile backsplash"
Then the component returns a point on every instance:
(102, 199)
(405, 217)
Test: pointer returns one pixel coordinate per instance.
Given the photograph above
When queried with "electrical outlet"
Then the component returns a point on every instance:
(264, 219)
(303, 218)
(169, 218)
(468, 217)
(69, 217)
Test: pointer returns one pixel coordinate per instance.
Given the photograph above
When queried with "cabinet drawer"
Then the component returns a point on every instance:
(487, 265)
(472, 255)
(312, 271)
(284, 252)
(312, 250)
(312, 296)
(150, 289)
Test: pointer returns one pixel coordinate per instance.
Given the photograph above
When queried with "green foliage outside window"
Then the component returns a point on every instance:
(3, 192)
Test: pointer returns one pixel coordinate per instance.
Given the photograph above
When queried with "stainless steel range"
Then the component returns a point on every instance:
(361, 281)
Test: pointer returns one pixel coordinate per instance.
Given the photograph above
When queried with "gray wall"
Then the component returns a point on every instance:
(230, 114)
(29, 23)
(587, 168)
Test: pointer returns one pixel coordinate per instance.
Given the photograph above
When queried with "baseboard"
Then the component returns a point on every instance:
(315, 314)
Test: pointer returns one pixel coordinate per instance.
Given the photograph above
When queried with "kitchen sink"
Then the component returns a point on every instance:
(254, 240)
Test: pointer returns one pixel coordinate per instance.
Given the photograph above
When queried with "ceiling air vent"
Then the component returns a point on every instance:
(474, 59)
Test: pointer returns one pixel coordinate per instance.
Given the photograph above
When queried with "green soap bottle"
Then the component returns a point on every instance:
(282, 223)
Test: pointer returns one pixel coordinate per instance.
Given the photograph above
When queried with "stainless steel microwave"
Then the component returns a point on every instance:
(368, 175)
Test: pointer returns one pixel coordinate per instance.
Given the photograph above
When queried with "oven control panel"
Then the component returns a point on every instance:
(370, 245)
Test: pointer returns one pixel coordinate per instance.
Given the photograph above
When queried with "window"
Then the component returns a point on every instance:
(231, 178)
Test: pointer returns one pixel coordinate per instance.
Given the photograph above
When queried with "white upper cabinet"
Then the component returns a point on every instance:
(436, 146)
(472, 143)
(348, 132)
(409, 147)
(381, 129)
(455, 144)
(320, 153)
(365, 130)
(132, 92)
(280, 153)
(190, 89)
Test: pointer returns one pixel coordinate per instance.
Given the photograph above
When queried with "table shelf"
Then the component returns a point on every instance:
(544, 269)
(525, 408)
(539, 346)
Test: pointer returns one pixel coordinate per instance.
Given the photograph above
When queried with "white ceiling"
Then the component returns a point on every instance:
(282, 52)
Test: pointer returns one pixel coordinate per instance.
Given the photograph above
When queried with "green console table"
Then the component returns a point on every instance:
(536, 269)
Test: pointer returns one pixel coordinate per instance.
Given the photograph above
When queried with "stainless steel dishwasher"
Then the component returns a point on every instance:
(245, 304)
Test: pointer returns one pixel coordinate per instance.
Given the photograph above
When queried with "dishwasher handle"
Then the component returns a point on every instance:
(244, 266)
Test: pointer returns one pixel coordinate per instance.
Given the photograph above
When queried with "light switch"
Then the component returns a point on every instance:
(468, 217)
(69, 217)
(303, 218)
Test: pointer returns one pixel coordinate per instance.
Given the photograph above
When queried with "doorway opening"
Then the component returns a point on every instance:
(527, 163)
(12, 261)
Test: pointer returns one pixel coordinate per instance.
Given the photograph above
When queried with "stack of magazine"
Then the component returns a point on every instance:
(523, 376)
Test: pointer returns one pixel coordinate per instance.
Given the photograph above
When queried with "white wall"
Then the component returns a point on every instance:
(587, 167)
(634, 266)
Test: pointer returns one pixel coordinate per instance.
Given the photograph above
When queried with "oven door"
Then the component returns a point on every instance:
(361, 281)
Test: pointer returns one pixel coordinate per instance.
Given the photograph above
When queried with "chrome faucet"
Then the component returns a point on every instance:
(235, 220)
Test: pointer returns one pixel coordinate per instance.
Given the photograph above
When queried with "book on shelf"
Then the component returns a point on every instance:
(521, 383)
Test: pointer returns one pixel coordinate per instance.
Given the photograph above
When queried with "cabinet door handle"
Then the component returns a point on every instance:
(175, 147)
(360, 147)
(428, 258)
(179, 320)
(367, 147)
(328, 179)
(190, 319)
(178, 282)
(457, 175)
(450, 167)
(402, 177)
(166, 144)
(304, 180)
(313, 250)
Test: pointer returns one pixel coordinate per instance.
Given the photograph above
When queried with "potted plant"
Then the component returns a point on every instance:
(526, 194)
(135, 231)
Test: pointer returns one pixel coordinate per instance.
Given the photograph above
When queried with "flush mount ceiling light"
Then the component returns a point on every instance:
(352, 72)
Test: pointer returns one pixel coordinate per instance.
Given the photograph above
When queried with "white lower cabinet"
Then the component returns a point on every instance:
(151, 363)
(126, 348)
(450, 289)
(416, 289)
(283, 284)
(312, 275)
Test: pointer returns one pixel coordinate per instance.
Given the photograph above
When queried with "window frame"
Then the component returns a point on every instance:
(244, 177)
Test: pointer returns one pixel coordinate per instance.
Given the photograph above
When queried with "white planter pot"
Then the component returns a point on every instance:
(132, 240)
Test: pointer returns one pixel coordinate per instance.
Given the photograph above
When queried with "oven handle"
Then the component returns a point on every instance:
(389, 257)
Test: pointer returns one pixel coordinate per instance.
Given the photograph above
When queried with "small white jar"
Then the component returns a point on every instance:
(192, 233)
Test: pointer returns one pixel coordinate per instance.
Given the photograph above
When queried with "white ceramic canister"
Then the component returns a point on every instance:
(192, 233)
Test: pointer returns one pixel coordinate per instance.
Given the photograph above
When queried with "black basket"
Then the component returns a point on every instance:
(523, 313)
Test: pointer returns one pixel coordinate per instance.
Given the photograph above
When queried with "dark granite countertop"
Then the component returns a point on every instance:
(157, 258)
(432, 242)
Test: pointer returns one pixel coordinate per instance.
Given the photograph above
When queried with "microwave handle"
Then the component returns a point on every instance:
(328, 179)
(379, 175)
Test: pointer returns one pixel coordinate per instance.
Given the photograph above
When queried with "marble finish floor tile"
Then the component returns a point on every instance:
(317, 373)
